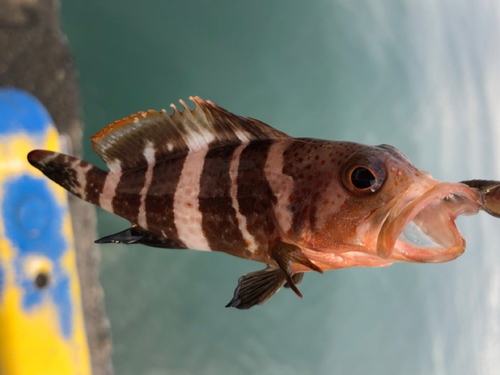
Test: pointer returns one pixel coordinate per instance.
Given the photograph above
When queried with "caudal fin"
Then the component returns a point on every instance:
(77, 176)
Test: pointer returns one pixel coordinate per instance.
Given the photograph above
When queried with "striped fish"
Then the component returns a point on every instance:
(207, 179)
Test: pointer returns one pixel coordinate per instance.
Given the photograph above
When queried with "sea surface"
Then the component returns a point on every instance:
(423, 76)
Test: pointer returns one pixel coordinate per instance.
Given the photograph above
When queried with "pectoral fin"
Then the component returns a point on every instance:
(296, 278)
(285, 255)
(138, 235)
(255, 288)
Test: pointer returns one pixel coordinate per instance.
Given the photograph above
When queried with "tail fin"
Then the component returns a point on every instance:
(77, 176)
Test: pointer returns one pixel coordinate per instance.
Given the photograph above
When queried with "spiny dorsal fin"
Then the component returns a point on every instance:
(123, 143)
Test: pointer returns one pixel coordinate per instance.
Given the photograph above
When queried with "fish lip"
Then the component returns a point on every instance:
(388, 244)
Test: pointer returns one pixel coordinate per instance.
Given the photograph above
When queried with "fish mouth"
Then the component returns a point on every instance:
(423, 229)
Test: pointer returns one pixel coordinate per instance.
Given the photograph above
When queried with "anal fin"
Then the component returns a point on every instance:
(285, 255)
(137, 235)
(125, 237)
(257, 287)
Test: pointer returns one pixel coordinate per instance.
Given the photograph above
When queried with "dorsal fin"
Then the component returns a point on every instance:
(123, 144)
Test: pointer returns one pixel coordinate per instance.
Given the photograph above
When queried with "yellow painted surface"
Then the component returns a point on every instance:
(31, 339)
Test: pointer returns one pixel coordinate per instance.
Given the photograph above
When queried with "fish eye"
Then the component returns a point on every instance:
(364, 176)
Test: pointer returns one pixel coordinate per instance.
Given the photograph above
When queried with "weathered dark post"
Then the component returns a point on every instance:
(34, 57)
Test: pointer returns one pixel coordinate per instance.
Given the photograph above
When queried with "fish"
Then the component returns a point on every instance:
(207, 179)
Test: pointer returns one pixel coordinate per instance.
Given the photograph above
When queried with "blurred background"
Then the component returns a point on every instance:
(423, 76)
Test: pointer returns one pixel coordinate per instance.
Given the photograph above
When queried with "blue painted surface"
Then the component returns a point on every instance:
(21, 111)
(33, 224)
(32, 217)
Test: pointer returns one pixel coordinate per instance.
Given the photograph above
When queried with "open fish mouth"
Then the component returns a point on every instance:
(424, 229)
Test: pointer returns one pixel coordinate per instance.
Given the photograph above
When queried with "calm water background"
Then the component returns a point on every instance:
(423, 76)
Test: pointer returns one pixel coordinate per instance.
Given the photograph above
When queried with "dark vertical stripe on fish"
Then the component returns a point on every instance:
(58, 167)
(127, 199)
(312, 166)
(219, 222)
(255, 197)
(95, 178)
(298, 165)
(160, 196)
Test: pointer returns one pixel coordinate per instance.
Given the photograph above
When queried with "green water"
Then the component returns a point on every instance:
(423, 76)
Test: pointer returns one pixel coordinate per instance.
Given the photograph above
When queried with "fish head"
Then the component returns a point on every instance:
(389, 209)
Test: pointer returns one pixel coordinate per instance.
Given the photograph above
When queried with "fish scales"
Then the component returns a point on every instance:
(187, 214)
(150, 158)
(248, 238)
(281, 184)
(110, 185)
(95, 179)
(254, 194)
(159, 203)
(207, 179)
(219, 221)
(313, 164)
(126, 199)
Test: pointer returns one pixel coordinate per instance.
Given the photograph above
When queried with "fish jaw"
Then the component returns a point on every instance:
(421, 227)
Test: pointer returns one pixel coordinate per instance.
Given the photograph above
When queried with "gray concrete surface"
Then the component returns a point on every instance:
(34, 57)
